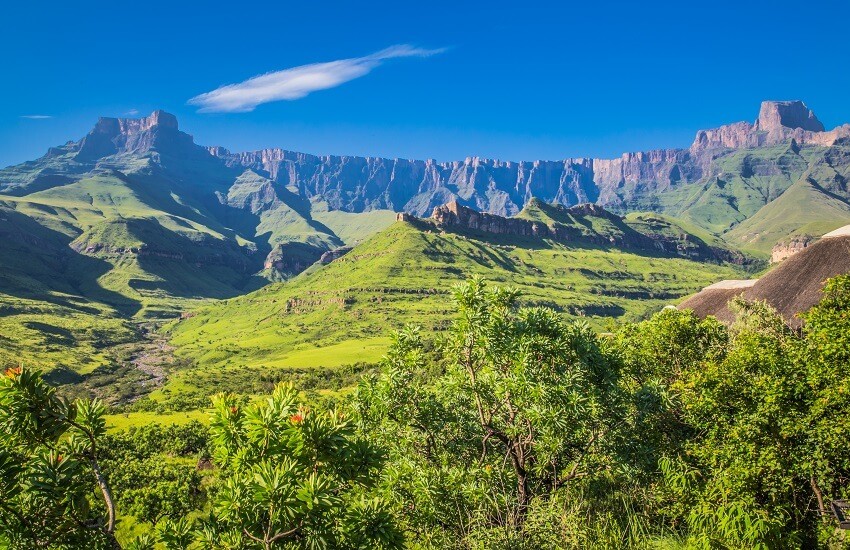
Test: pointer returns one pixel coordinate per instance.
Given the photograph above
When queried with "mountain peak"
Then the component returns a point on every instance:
(159, 118)
(120, 135)
(788, 114)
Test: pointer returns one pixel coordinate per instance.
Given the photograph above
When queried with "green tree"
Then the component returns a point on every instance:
(50, 467)
(749, 475)
(527, 403)
(295, 478)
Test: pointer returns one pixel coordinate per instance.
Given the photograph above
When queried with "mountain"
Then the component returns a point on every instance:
(792, 287)
(137, 221)
(170, 223)
(726, 176)
(343, 312)
(267, 215)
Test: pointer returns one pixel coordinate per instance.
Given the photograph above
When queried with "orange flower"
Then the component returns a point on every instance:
(58, 459)
(234, 410)
(13, 372)
(296, 418)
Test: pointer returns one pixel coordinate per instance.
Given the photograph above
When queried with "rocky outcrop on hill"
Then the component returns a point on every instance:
(775, 115)
(792, 287)
(334, 254)
(453, 215)
(792, 246)
(778, 122)
(456, 217)
(112, 136)
(291, 258)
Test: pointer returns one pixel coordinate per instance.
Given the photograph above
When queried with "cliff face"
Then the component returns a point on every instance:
(356, 184)
(112, 136)
(778, 122)
(786, 249)
(455, 217)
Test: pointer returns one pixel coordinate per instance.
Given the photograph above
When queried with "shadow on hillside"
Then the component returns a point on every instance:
(202, 266)
(39, 264)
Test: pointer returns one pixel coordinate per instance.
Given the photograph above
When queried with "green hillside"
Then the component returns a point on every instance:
(804, 209)
(343, 312)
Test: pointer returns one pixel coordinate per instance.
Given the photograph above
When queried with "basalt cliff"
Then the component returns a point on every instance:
(584, 224)
(504, 187)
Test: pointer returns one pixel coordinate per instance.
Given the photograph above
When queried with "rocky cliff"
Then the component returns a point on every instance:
(500, 187)
(591, 225)
(112, 136)
(788, 248)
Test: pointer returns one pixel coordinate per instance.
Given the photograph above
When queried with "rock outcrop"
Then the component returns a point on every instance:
(456, 217)
(112, 136)
(788, 248)
(453, 215)
(334, 254)
(792, 287)
(778, 122)
(775, 115)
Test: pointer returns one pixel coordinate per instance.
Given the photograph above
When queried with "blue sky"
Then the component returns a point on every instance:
(514, 80)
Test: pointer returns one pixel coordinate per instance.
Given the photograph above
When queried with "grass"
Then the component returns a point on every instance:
(804, 209)
(116, 422)
(344, 312)
(90, 250)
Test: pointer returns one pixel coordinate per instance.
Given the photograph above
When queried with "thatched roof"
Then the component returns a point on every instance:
(791, 287)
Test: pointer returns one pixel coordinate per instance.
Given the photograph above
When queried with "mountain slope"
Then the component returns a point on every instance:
(135, 220)
(343, 312)
(173, 224)
(804, 209)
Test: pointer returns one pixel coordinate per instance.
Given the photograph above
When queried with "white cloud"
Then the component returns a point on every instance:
(132, 112)
(297, 82)
(36, 117)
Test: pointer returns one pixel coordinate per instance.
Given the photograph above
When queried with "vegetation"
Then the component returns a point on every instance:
(516, 427)
(341, 313)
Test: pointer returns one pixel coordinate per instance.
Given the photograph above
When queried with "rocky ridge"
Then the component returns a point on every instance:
(453, 216)
(500, 187)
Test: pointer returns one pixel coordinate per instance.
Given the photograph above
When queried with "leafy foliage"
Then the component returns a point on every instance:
(49, 453)
(293, 476)
(526, 405)
(515, 429)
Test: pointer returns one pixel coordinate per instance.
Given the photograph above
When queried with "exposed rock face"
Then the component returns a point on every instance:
(112, 136)
(778, 122)
(775, 115)
(787, 249)
(334, 254)
(792, 287)
(456, 217)
(355, 184)
(291, 258)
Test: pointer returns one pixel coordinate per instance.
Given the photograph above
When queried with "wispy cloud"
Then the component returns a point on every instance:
(36, 117)
(132, 112)
(297, 82)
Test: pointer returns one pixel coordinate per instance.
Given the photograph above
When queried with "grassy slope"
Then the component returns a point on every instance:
(352, 228)
(344, 312)
(44, 320)
(802, 209)
(108, 211)
(739, 184)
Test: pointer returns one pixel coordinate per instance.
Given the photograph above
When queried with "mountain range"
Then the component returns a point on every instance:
(137, 221)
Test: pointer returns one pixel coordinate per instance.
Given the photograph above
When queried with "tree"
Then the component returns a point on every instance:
(526, 399)
(50, 467)
(753, 470)
(294, 477)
